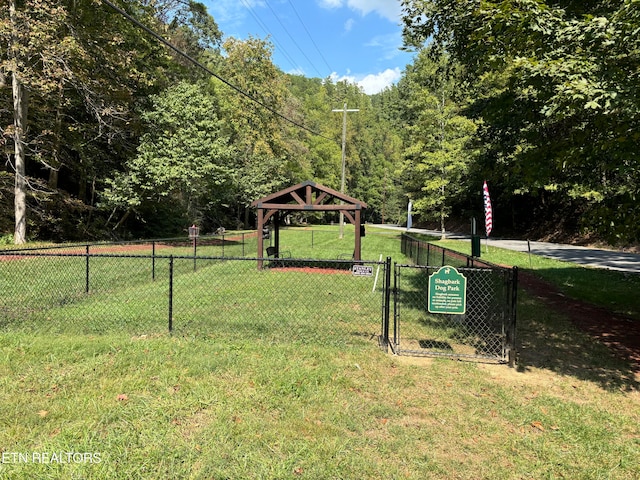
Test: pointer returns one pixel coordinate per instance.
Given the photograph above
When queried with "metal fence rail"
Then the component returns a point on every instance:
(232, 245)
(80, 292)
(160, 286)
(424, 253)
(486, 330)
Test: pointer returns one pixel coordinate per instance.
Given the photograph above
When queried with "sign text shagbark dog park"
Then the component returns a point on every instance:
(447, 292)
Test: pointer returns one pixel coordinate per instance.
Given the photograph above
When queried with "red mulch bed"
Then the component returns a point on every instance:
(619, 333)
(323, 271)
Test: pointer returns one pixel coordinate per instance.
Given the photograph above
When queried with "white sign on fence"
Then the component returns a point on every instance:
(362, 270)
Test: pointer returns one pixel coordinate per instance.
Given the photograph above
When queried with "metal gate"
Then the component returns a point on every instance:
(486, 329)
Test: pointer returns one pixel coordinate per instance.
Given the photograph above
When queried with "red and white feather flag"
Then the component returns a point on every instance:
(488, 215)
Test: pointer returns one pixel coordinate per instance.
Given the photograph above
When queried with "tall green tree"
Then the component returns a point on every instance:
(557, 90)
(373, 143)
(318, 157)
(29, 35)
(440, 138)
(185, 164)
(87, 70)
(71, 81)
(255, 130)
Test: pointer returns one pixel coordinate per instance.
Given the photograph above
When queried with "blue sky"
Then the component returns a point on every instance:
(356, 40)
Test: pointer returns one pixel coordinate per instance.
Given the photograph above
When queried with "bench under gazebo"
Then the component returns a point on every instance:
(308, 197)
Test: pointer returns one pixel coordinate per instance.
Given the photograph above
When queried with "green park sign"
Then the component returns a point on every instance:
(447, 292)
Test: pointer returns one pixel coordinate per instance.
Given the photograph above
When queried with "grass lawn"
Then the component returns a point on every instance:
(616, 291)
(158, 406)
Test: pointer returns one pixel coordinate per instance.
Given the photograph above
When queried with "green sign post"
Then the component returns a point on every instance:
(447, 292)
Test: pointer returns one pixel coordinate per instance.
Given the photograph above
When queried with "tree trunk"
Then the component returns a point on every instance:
(20, 192)
(19, 120)
(54, 168)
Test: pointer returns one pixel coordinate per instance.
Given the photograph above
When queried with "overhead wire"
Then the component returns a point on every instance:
(296, 43)
(266, 30)
(198, 64)
(310, 37)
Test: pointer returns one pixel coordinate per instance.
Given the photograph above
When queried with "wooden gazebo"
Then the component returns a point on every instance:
(309, 197)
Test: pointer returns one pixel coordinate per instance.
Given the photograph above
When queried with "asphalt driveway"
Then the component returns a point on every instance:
(592, 257)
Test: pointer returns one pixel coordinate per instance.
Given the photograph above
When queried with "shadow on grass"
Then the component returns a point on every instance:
(478, 332)
(614, 291)
(558, 334)
(548, 340)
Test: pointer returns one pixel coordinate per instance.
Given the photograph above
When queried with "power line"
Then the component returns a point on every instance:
(310, 37)
(208, 70)
(268, 32)
(291, 37)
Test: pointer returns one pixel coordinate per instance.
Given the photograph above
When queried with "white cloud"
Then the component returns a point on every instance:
(389, 9)
(348, 25)
(373, 82)
(331, 3)
(389, 44)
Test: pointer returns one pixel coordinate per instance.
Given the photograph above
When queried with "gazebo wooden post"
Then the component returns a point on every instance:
(357, 255)
(260, 239)
(276, 233)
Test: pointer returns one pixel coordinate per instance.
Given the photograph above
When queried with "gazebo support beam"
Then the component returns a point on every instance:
(302, 196)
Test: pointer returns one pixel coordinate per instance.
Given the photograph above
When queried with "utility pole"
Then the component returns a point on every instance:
(344, 147)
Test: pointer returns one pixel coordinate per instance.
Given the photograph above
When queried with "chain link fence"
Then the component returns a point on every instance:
(136, 289)
(198, 288)
(486, 328)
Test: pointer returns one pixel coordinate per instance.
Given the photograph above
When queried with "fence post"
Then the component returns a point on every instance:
(396, 307)
(511, 331)
(387, 303)
(153, 260)
(86, 288)
(195, 251)
(170, 293)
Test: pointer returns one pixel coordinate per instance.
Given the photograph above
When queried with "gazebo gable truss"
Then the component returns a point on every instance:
(310, 197)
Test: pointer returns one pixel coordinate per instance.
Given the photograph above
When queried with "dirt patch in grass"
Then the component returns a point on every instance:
(621, 334)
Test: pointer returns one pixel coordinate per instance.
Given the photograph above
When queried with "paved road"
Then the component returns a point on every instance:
(593, 257)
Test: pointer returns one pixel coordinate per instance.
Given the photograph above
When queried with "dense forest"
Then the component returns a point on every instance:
(141, 122)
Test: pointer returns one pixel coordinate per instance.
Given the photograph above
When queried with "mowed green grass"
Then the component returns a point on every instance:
(130, 294)
(196, 406)
(616, 291)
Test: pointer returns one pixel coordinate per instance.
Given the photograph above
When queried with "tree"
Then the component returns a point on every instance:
(185, 162)
(439, 149)
(23, 40)
(255, 131)
(556, 86)
(87, 70)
